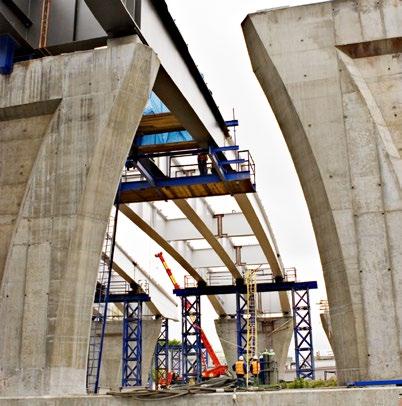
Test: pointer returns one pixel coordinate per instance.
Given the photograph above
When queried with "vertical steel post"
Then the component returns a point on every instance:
(241, 323)
(304, 353)
(175, 357)
(191, 339)
(162, 353)
(7, 48)
(99, 320)
(132, 344)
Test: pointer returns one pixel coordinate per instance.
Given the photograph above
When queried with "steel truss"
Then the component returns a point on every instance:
(162, 353)
(304, 353)
(176, 359)
(191, 338)
(241, 323)
(132, 344)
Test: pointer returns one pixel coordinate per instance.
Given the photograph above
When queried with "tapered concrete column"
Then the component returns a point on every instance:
(66, 126)
(274, 333)
(332, 74)
(111, 370)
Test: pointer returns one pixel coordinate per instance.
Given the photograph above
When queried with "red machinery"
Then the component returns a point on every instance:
(218, 369)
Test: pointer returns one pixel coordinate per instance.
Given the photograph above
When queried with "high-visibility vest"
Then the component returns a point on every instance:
(239, 368)
(255, 367)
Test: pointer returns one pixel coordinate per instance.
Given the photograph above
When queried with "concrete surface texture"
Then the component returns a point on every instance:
(66, 125)
(111, 369)
(318, 397)
(275, 334)
(332, 73)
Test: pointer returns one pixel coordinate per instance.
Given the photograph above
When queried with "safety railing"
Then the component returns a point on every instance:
(197, 162)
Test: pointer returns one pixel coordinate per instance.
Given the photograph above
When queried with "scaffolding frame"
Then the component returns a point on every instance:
(191, 338)
(132, 344)
(302, 327)
(241, 323)
(99, 318)
(161, 357)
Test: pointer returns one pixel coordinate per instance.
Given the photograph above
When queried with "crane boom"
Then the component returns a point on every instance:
(218, 369)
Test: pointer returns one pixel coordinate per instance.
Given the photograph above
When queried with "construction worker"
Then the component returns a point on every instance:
(240, 369)
(255, 369)
(203, 163)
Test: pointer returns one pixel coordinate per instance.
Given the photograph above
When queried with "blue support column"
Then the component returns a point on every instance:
(304, 352)
(191, 340)
(162, 353)
(175, 359)
(7, 49)
(241, 323)
(132, 344)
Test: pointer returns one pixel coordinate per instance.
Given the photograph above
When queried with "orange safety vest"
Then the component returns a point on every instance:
(255, 367)
(239, 368)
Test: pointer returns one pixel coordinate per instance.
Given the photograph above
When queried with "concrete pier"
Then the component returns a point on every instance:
(111, 370)
(66, 126)
(275, 334)
(332, 73)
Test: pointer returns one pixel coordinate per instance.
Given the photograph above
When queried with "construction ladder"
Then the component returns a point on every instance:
(100, 309)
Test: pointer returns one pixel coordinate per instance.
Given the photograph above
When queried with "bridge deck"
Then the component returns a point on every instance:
(186, 187)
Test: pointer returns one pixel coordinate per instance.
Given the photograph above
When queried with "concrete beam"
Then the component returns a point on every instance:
(152, 233)
(233, 225)
(61, 169)
(205, 231)
(176, 85)
(208, 258)
(253, 210)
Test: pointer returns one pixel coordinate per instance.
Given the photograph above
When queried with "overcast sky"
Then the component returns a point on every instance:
(212, 30)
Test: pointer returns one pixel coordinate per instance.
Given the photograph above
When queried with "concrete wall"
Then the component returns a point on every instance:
(332, 73)
(111, 370)
(318, 397)
(66, 126)
(275, 334)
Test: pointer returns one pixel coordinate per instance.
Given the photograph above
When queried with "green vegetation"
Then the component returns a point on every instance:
(175, 341)
(303, 383)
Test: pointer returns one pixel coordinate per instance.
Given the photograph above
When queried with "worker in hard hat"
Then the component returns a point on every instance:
(255, 369)
(240, 369)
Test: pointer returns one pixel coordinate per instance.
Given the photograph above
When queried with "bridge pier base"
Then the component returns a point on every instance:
(110, 376)
(272, 333)
(67, 123)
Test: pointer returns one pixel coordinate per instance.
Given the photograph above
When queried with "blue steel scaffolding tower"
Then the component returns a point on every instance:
(241, 323)
(304, 353)
(132, 344)
(162, 353)
(191, 338)
(176, 359)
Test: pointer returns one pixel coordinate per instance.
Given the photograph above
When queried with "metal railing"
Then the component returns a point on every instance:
(263, 275)
(185, 164)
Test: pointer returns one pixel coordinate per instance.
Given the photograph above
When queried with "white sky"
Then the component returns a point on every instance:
(212, 30)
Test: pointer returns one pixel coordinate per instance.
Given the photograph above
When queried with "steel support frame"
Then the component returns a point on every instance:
(241, 323)
(7, 49)
(191, 338)
(162, 353)
(132, 344)
(176, 359)
(302, 327)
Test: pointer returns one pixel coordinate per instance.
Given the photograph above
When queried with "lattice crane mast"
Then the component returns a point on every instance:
(218, 368)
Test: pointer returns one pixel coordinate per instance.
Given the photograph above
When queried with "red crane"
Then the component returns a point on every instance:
(218, 369)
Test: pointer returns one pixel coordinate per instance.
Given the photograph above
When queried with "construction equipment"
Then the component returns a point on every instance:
(251, 319)
(218, 369)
